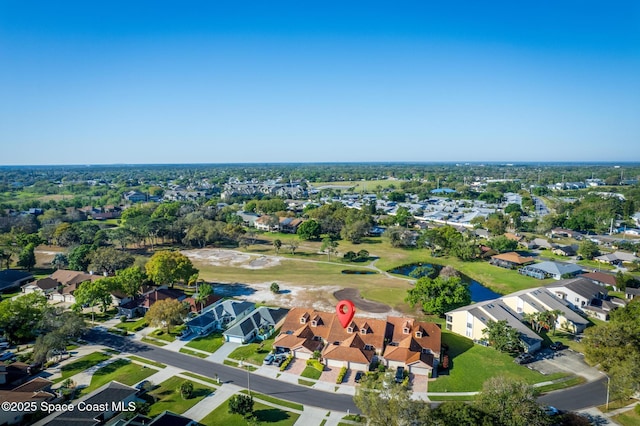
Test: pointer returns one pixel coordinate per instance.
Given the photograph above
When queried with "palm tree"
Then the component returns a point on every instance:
(276, 245)
(204, 291)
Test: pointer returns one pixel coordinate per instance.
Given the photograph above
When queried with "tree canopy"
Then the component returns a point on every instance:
(439, 295)
(166, 313)
(168, 267)
(502, 336)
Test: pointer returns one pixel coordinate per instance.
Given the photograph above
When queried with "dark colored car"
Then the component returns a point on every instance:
(358, 377)
(524, 359)
(400, 374)
(279, 360)
(556, 346)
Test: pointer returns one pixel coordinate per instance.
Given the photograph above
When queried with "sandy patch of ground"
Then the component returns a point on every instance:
(219, 257)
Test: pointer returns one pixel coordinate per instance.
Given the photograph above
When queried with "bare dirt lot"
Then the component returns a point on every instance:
(292, 293)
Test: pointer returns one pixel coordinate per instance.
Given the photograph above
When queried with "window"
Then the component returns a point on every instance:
(405, 330)
(303, 320)
(418, 334)
(449, 326)
(469, 325)
(349, 329)
(363, 330)
(449, 318)
(314, 323)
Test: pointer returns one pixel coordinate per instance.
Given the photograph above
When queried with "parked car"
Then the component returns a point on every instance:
(4, 345)
(524, 358)
(6, 356)
(399, 374)
(143, 385)
(279, 360)
(358, 377)
(551, 411)
(556, 346)
(268, 360)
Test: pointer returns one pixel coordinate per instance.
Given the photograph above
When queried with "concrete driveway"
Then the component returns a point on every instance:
(564, 361)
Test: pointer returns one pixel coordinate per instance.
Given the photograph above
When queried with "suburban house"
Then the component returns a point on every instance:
(469, 321)
(289, 225)
(36, 391)
(135, 196)
(196, 306)
(514, 237)
(617, 258)
(44, 286)
(69, 282)
(539, 243)
(218, 316)
(11, 279)
(266, 223)
(100, 407)
(601, 308)
(565, 233)
(631, 293)
(578, 292)
(565, 250)
(259, 324)
(415, 345)
(511, 260)
(140, 305)
(550, 269)
(602, 279)
(540, 300)
(411, 344)
(248, 218)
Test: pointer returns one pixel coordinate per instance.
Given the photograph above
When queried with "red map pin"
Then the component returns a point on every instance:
(345, 310)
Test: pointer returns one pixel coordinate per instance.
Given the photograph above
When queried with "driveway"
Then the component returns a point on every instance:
(223, 352)
(564, 361)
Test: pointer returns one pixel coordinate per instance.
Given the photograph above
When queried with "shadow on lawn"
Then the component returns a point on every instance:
(235, 289)
(454, 345)
(271, 415)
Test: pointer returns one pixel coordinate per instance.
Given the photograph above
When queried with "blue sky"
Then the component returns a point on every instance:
(88, 82)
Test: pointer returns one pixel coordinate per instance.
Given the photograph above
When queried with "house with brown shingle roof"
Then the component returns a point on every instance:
(69, 282)
(602, 279)
(361, 342)
(511, 260)
(414, 345)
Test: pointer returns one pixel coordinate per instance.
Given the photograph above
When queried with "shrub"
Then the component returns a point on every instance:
(315, 364)
(286, 363)
(381, 368)
(349, 256)
(316, 354)
(123, 318)
(343, 372)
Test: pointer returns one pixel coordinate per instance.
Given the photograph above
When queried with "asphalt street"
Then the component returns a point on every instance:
(290, 392)
(575, 398)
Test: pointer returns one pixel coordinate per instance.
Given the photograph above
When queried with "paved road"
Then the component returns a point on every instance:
(575, 398)
(578, 397)
(300, 394)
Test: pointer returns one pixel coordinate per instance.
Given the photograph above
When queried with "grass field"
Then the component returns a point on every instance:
(122, 370)
(132, 326)
(250, 352)
(146, 361)
(361, 185)
(264, 413)
(193, 353)
(210, 343)
(464, 374)
(83, 363)
(167, 396)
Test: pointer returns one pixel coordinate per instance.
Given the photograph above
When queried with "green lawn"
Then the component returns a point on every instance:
(132, 326)
(465, 375)
(628, 418)
(281, 402)
(193, 353)
(167, 396)
(210, 343)
(167, 337)
(146, 361)
(252, 352)
(153, 341)
(311, 373)
(199, 377)
(265, 414)
(83, 363)
(122, 370)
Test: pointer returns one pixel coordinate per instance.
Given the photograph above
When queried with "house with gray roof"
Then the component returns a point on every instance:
(219, 316)
(259, 324)
(11, 279)
(579, 292)
(550, 269)
(102, 404)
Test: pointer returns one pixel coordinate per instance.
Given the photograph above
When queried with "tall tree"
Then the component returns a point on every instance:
(439, 295)
(309, 230)
(110, 260)
(27, 258)
(204, 291)
(98, 292)
(21, 317)
(168, 267)
(386, 403)
(502, 336)
(511, 403)
(166, 313)
(277, 244)
(329, 246)
(130, 280)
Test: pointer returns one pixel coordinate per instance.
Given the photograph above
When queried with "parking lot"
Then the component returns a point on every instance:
(564, 361)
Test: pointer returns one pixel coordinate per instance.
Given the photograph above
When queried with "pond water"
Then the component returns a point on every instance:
(479, 293)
